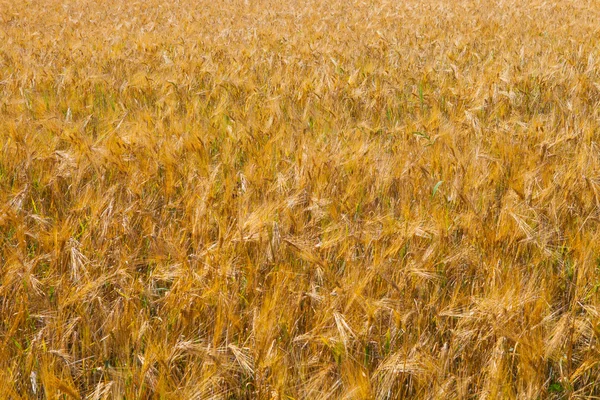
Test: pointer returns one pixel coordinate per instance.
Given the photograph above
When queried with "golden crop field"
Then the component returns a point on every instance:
(319, 199)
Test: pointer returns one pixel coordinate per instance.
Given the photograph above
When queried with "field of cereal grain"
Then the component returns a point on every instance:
(318, 199)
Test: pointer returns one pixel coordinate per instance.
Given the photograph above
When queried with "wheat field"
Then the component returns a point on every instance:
(318, 199)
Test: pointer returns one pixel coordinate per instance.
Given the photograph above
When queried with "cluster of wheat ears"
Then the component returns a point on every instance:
(299, 199)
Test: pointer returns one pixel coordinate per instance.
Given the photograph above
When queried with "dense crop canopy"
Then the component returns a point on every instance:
(299, 199)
